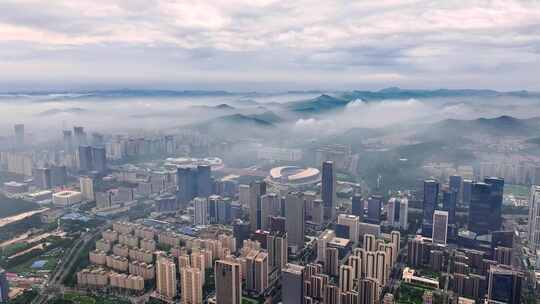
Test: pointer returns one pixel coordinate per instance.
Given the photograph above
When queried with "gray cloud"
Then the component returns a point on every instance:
(252, 45)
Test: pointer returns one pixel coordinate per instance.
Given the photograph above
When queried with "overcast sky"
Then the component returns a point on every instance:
(269, 45)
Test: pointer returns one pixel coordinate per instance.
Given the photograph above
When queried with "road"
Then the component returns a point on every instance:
(69, 259)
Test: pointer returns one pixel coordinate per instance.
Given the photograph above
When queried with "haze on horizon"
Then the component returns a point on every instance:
(269, 45)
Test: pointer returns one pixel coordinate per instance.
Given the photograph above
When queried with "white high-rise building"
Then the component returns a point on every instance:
(440, 227)
(201, 210)
(534, 217)
(397, 212)
(87, 188)
(352, 222)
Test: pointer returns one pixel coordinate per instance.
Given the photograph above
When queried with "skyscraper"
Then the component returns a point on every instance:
(480, 208)
(277, 244)
(19, 136)
(87, 188)
(80, 136)
(67, 141)
(398, 212)
(228, 281)
(357, 205)
(368, 290)
(449, 204)
(294, 217)
(186, 179)
(534, 217)
(42, 177)
(328, 188)
(270, 206)
(455, 182)
(440, 227)
(201, 209)
(429, 204)
(351, 221)
(166, 284)
(466, 191)
(292, 284)
(4, 286)
(504, 285)
(85, 158)
(495, 202)
(204, 181)
(99, 159)
(191, 285)
(257, 271)
(374, 209)
(346, 276)
(256, 190)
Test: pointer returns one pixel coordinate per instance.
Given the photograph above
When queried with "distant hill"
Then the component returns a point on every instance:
(318, 104)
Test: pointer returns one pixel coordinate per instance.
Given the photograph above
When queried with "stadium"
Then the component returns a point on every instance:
(293, 176)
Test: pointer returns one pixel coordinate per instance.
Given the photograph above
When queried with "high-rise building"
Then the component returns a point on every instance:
(19, 136)
(504, 285)
(346, 276)
(204, 181)
(398, 209)
(368, 291)
(450, 204)
(166, 284)
(42, 176)
(277, 250)
(351, 221)
(201, 209)
(454, 185)
(480, 208)
(317, 212)
(374, 209)
(58, 176)
(191, 285)
(292, 284)
(395, 237)
(228, 281)
(270, 206)
(87, 188)
(85, 158)
(99, 159)
(294, 215)
(381, 268)
(80, 136)
(328, 188)
(331, 264)
(534, 217)
(440, 227)
(430, 201)
(369, 242)
(257, 271)
(67, 141)
(466, 191)
(357, 205)
(4, 286)
(256, 190)
(495, 202)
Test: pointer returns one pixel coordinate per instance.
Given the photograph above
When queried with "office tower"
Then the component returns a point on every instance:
(224, 212)
(256, 190)
(357, 206)
(398, 209)
(440, 227)
(534, 217)
(166, 284)
(328, 188)
(270, 206)
(58, 176)
(369, 242)
(277, 249)
(466, 191)
(191, 285)
(99, 159)
(294, 215)
(204, 181)
(504, 285)
(495, 202)
(351, 221)
(201, 209)
(368, 291)
(480, 208)
(228, 281)
(292, 284)
(331, 264)
(346, 276)
(85, 158)
(186, 179)
(317, 212)
(429, 204)
(374, 209)
(454, 185)
(87, 188)
(80, 136)
(19, 136)
(42, 176)
(4, 286)
(449, 204)
(67, 141)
